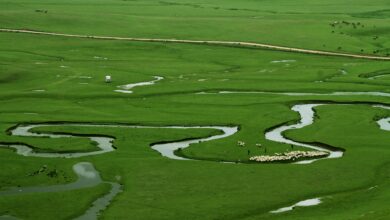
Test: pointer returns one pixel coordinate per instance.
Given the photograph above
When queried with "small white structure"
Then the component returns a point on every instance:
(108, 79)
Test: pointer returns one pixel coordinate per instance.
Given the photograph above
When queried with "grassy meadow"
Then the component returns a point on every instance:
(59, 79)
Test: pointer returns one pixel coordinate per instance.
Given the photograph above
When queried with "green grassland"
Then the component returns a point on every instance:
(279, 22)
(59, 79)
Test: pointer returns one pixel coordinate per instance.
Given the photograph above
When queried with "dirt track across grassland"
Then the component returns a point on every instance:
(206, 42)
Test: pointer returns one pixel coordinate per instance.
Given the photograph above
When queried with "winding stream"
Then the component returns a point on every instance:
(383, 94)
(101, 203)
(127, 88)
(88, 176)
(307, 114)
(168, 149)
(384, 123)
(304, 203)
(105, 144)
